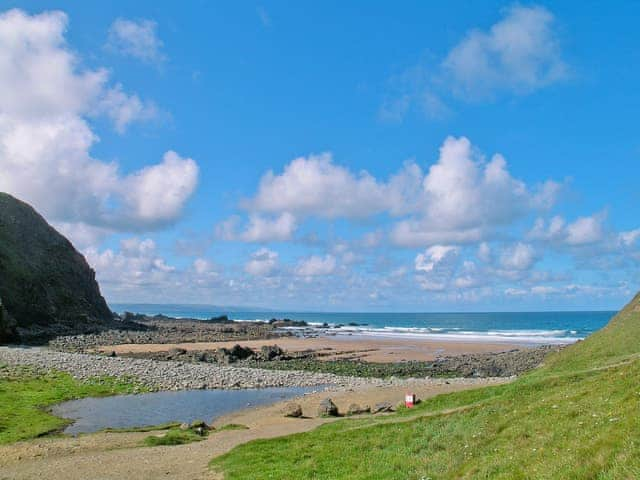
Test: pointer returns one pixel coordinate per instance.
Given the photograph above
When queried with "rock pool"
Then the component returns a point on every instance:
(125, 411)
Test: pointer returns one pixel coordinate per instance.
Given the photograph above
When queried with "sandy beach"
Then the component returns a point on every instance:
(371, 349)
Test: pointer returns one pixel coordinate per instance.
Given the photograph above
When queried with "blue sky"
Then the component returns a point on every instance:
(423, 156)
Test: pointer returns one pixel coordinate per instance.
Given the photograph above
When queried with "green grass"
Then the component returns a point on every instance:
(25, 395)
(173, 437)
(576, 417)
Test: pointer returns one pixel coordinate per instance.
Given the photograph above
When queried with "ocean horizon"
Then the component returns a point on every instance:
(530, 327)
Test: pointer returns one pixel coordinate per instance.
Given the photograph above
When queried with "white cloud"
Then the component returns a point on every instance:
(45, 139)
(518, 54)
(630, 237)
(314, 185)
(436, 266)
(136, 38)
(520, 256)
(261, 229)
(263, 262)
(136, 263)
(583, 231)
(434, 256)
(258, 229)
(123, 109)
(81, 235)
(461, 199)
(484, 252)
(316, 266)
(465, 198)
(158, 193)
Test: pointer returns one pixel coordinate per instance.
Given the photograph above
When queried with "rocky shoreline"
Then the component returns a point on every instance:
(162, 330)
(169, 375)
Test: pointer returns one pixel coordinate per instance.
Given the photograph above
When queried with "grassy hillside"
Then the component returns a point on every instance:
(574, 418)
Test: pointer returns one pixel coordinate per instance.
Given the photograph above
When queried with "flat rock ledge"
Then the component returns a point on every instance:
(166, 375)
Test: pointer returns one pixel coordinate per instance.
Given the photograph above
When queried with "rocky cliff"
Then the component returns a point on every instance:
(46, 286)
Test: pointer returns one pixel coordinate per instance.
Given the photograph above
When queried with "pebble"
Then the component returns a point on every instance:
(167, 375)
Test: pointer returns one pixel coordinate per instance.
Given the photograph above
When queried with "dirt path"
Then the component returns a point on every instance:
(119, 455)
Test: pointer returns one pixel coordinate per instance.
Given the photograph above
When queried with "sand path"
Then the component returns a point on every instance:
(119, 455)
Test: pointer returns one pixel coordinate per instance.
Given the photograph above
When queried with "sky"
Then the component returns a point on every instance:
(369, 156)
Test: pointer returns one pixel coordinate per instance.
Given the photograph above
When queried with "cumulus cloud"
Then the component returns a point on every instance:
(45, 138)
(436, 266)
(263, 263)
(518, 54)
(123, 109)
(258, 228)
(137, 262)
(583, 231)
(465, 198)
(520, 256)
(314, 185)
(630, 238)
(461, 199)
(316, 266)
(136, 38)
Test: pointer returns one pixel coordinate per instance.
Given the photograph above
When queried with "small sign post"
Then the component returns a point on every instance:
(410, 400)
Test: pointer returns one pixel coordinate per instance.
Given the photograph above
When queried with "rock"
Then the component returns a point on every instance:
(8, 325)
(327, 408)
(199, 426)
(292, 409)
(220, 319)
(382, 407)
(270, 352)
(46, 285)
(355, 409)
(184, 426)
(238, 352)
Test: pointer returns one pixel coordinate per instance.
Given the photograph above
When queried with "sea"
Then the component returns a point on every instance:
(537, 328)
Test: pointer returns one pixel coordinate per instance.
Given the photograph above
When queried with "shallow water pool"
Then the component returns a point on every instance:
(126, 411)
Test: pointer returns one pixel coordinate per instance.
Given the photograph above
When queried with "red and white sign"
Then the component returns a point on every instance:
(410, 400)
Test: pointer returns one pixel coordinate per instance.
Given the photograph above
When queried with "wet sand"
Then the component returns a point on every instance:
(383, 350)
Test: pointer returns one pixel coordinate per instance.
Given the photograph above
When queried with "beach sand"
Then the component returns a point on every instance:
(371, 349)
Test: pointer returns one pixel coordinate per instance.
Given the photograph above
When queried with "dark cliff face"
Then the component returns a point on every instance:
(46, 286)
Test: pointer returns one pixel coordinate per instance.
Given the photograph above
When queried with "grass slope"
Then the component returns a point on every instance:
(576, 417)
(24, 396)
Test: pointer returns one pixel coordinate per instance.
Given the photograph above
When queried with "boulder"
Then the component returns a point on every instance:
(238, 352)
(382, 407)
(199, 426)
(292, 409)
(327, 408)
(355, 409)
(270, 352)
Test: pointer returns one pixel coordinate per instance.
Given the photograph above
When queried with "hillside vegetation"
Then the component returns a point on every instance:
(576, 417)
(46, 286)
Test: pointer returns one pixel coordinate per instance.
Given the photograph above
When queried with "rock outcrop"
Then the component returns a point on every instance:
(46, 286)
